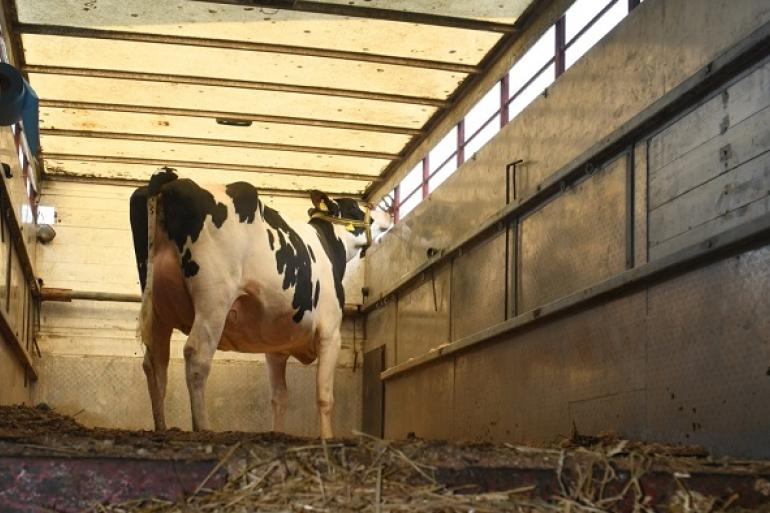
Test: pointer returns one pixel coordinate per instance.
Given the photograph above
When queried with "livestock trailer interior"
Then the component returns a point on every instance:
(573, 281)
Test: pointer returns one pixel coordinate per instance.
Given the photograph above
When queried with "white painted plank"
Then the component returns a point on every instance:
(212, 154)
(734, 189)
(198, 19)
(207, 128)
(746, 140)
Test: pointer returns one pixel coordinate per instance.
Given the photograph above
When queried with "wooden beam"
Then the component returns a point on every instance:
(117, 35)
(217, 142)
(129, 182)
(241, 84)
(211, 165)
(375, 13)
(284, 120)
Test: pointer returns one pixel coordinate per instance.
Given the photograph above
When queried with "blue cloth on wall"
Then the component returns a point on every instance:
(19, 102)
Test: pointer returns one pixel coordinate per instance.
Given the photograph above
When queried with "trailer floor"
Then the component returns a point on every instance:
(49, 462)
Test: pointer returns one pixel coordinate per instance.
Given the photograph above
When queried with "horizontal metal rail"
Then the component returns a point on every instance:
(228, 44)
(217, 142)
(749, 51)
(355, 11)
(68, 295)
(240, 84)
(60, 295)
(677, 263)
(195, 113)
(211, 165)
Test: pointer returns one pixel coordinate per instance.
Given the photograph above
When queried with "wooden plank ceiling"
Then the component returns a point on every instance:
(286, 94)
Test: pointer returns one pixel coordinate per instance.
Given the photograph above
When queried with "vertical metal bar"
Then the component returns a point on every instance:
(507, 259)
(629, 224)
(425, 176)
(633, 4)
(505, 86)
(396, 202)
(561, 45)
(515, 266)
(461, 142)
(23, 325)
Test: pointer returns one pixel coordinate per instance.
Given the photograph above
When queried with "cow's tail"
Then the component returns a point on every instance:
(153, 215)
(144, 329)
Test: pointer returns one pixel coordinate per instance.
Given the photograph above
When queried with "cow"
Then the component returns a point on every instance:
(232, 274)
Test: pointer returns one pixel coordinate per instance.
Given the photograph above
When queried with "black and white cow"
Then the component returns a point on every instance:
(232, 274)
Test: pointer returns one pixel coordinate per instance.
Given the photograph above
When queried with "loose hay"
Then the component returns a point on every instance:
(277, 473)
(373, 475)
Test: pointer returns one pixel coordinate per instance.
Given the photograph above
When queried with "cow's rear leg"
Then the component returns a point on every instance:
(276, 368)
(155, 365)
(199, 351)
(329, 348)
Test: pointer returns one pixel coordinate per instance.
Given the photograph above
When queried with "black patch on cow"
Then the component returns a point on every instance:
(271, 240)
(312, 255)
(138, 215)
(349, 209)
(317, 293)
(158, 180)
(245, 200)
(335, 250)
(185, 208)
(189, 266)
(293, 261)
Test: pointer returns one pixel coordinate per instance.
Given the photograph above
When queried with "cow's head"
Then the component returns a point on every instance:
(358, 226)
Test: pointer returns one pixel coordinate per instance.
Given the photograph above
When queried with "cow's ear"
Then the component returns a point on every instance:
(322, 202)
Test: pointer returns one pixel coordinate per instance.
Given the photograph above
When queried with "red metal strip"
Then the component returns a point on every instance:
(35, 484)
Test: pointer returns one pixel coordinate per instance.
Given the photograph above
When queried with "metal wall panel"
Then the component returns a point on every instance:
(423, 316)
(530, 386)
(421, 403)
(682, 361)
(478, 287)
(374, 392)
(381, 331)
(450, 212)
(708, 355)
(622, 412)
(575, 240)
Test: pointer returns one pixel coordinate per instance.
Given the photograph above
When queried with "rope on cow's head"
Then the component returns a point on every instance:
(350, 224)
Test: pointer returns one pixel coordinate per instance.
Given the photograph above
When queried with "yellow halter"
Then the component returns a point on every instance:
(350, 224)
